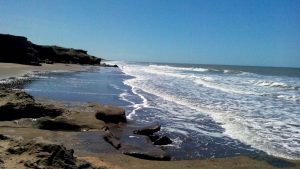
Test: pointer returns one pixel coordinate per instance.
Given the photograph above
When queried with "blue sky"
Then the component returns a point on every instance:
(234, 32)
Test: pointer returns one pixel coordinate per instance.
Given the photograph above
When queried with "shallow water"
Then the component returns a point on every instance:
(208, 111)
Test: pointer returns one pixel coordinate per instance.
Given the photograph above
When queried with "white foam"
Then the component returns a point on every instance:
(165, 73)
(264, 83)
(136, 107)
(289, 97)
(261, 123)
(207, 83)
(166, 67)
(4, 81)
(227, 71)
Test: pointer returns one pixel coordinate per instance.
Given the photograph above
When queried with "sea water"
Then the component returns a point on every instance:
(207, 110)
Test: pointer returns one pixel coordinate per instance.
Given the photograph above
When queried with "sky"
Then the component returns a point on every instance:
(228, 32)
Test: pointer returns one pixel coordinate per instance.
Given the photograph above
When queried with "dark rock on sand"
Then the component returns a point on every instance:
(43, 155)
(72, 120)
(58, 124)
(152, 153)
(3, 137)
(112, 139)
(55, 156)
(47, 61)
(17, 49)
(164, 140)
(148, 130)
(18, 104)
(17, 150)
(139, 146)
(60, 157)
(109, 114)
(108, 65)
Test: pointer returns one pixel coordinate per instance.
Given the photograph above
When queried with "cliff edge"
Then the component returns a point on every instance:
(17, 49)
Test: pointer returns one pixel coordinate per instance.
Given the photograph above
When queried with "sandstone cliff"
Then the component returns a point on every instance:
(17, 49)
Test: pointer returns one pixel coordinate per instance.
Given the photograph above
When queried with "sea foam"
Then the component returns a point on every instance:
(242, 104)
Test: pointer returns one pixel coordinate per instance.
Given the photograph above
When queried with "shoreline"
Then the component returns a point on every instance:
(16, 70)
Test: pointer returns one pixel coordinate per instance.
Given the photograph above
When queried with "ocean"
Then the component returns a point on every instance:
(208, 111)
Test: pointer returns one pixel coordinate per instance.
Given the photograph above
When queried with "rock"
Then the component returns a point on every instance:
(109, 114)
(17, 49)
(47, 61)
(58, 124)
(139, 146)
(153, 153)
(154, 137)
(60, 156)
(87, 120)
(17, 150)
(3, 137)
(148, 130)
(28, 164)
(41, 155)
(15, 105)
(164, 140)
(65, 55)
(108, 65)
(18, 104)
(55, 156)
(112, 139)
(84, 164)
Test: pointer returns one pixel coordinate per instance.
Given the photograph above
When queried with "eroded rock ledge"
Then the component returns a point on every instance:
(17, 104)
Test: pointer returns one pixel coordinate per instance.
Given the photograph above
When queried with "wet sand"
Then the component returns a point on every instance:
(8, 70)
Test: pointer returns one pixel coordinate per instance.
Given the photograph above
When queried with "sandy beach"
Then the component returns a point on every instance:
(8, 70)
(26, 130)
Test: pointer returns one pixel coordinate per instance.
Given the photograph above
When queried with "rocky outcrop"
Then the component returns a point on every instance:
(139, 146)
(163, 140)
(142, 148)
(109, 114)
(151, 153)
(58, 124)
(112, 139)
(17, 49)
(148, 130)
(37, 155)
(18, 104)
(56, 54)
(108, 65)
